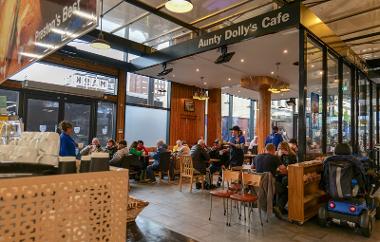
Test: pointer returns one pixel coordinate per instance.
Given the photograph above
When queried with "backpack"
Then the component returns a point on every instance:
(341, 174)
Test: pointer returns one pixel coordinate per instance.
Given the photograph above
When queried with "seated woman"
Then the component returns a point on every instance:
(111, 148)
(287, 157)
(92, 148)
(133, 150)
(122, 151)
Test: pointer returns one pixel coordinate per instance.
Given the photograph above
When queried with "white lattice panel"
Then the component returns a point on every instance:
(75, 207)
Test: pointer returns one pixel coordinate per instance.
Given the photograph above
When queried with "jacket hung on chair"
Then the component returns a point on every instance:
(266, 193)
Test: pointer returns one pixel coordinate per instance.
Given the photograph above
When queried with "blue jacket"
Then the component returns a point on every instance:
(67, 145)
(274, 138)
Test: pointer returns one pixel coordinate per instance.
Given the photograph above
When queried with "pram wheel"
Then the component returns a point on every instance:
(322, 218)
(366, 224)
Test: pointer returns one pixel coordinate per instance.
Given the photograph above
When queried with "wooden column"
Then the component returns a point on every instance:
(261, 84)
(263, 117)
(214, 115)
(121, 99)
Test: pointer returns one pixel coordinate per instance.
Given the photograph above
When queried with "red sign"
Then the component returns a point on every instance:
(32, 29)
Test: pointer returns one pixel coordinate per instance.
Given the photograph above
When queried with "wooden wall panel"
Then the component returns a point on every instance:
(184, 125)
(214, 115)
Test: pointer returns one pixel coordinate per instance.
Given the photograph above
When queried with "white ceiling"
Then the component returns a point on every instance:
(260, 56)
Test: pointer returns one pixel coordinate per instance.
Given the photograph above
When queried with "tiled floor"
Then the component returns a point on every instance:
(187, 213)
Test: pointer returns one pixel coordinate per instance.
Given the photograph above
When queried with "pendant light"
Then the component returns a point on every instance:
(179, 6)
(201, 93)
(100, 42)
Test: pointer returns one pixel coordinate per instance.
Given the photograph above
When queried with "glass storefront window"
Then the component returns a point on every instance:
(282, 117)
(161, 93)
(63, 76)
(241, 115)
(79, 115)
(106, 121)
(332, 103)
(374, 111)
(368, 106)
(225, 115)
(147, 124)
(11, 99)
(137, 89)
(314, 98)
(363, 114)
(42, 115)
(346, 125)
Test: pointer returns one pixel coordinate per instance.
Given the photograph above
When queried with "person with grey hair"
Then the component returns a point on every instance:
(92, 148)
(161, 148)
(200, 158)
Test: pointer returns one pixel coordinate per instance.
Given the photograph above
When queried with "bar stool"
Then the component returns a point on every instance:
(99, 162)
(67, 165)
(85, 164)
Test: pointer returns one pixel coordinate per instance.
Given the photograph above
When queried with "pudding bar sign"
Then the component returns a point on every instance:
(32, 29)
(258, 26)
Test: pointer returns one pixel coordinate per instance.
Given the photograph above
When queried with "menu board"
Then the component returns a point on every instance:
(32, 29)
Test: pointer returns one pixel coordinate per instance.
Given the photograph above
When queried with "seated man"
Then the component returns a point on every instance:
(217, 152)
(200, 159)
(92, 148)
(268, 161)
(161, 148)
(120, 153)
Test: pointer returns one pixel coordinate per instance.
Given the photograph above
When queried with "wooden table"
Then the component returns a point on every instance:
(215, 160)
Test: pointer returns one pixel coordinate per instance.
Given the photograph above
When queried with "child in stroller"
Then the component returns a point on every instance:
(351, 199)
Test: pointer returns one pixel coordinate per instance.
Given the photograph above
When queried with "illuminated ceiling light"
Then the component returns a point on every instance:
(238, 91)
(285, 52)
(30, 55)
(179, 6)
(205, 83)
(197, 70)
(272, 72)
(312, 66)
(242, 60)
(285, 88)
(320, 72)
(45, 45)
(100, 42)
(229, 79)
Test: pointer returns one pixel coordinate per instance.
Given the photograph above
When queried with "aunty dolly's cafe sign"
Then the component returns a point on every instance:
(258, 26)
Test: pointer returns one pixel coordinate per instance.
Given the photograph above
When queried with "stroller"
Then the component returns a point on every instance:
(344, 179)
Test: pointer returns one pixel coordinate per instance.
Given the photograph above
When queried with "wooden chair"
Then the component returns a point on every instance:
(187, 171)
(231, 178)
(244, 198)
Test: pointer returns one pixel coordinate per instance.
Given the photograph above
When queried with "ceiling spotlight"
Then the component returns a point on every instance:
(100, 42)
(164, 71)
(225, 56)
(272, 72)
(285, 52)
(179, 6)
(205, 83)
(242, 60)
(229, 79)
(312, 66)
(197, 70)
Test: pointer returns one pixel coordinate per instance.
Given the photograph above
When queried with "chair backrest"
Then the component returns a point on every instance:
(230, 177)
(165, 160)
(99, 162)
(187, 169)
(252, 179)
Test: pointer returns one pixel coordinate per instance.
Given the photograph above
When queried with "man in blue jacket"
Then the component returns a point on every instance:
(274, 138)
(161, 148)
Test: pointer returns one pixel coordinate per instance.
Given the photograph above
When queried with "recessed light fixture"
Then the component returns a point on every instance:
(242, 60)
(197, 70)
(238, 91)
(179, 6)
(205, 83)
(272, 72)
(229, 79)
(285, 51)
(320, 72)
(173, 75)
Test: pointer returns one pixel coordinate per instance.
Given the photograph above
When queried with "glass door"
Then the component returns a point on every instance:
(42, 115)
(79, 115)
